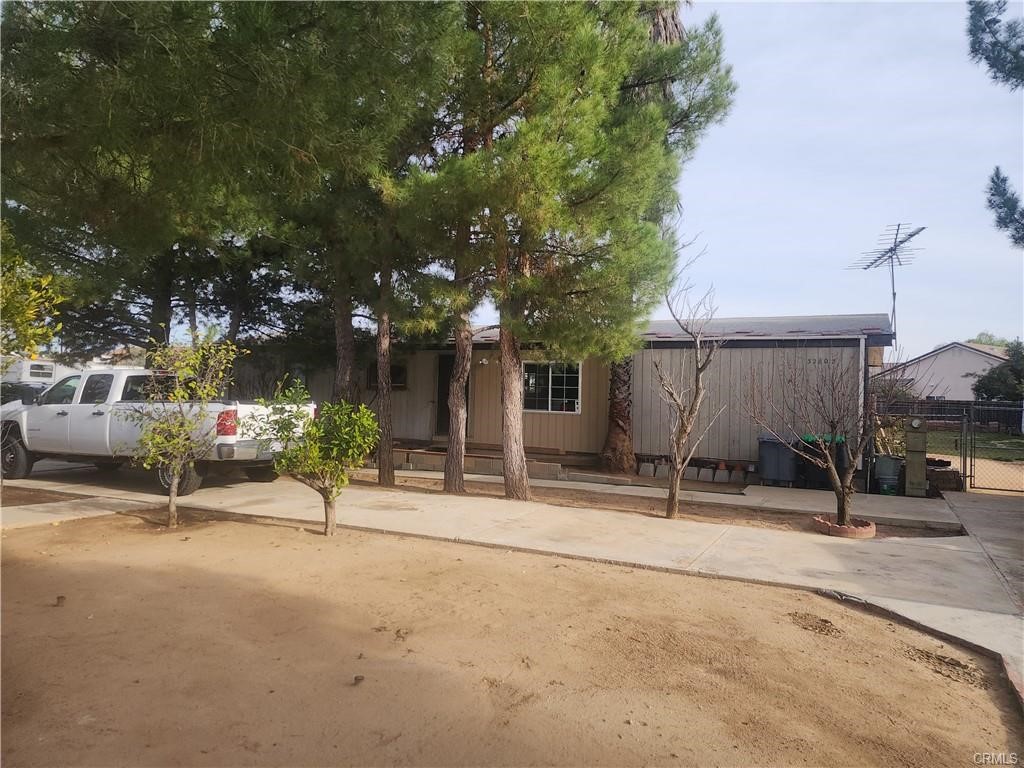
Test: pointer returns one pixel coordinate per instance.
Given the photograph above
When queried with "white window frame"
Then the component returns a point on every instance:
(579, 386)
(43, 370)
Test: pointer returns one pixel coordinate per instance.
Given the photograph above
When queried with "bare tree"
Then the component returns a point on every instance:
(684, 389)
(817, 405)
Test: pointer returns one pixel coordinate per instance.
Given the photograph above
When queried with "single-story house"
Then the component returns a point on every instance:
(947, 372)
(566, 402)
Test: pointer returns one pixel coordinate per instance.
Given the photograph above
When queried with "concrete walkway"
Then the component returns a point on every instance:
(886, 510)
(946, 584)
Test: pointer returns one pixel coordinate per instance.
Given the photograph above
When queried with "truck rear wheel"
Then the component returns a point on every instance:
(188, 483)
(17, 461)
(261, 474)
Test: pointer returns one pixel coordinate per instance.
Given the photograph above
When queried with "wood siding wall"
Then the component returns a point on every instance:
(412, 409)
(734, 435)
(582, 432)
(415, 408)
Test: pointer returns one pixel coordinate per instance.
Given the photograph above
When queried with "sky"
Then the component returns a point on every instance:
(850, 117)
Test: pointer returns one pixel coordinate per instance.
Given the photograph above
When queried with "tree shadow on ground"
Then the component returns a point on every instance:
(156, 516)
(166, 664)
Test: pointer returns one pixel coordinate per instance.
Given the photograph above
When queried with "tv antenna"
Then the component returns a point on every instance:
(893, 251)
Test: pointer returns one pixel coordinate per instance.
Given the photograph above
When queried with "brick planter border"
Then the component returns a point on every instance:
(859, 529)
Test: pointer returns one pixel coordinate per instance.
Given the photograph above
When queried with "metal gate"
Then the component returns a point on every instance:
(984, 441)
(995, 459)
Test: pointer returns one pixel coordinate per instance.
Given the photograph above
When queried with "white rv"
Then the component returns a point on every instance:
(38, 371)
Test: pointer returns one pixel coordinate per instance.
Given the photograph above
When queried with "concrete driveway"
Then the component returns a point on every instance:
(949, 584)
(997, 522)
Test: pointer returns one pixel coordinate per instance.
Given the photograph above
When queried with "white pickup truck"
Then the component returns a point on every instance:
(83, 418)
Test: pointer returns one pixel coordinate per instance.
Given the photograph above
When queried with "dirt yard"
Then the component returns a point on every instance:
(645, 505)
(225, 643)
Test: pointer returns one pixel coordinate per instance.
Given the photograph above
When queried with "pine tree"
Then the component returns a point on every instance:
(143, 126)
(703, 75)
(1000, 45)
(104, 152)
(549, 184)
(1004, 202)
(562, 183)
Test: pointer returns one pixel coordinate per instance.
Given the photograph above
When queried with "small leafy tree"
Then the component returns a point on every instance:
(27, 301)
(176, 431)
(985, 337)
(317, 450)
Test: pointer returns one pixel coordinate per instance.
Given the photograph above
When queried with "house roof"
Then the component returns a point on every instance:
(786, 327)
(991, 349)
(973, 348)
(876, 327)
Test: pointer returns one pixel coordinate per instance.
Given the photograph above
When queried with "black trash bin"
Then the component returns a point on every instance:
(776, 462)
(810, 475)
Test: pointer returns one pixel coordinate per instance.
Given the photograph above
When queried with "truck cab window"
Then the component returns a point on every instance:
(61, 393)
(145, 387)
(96, 388)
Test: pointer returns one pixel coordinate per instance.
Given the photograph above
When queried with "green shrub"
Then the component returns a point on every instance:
(318, 451)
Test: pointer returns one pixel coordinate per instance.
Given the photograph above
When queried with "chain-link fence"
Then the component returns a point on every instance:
(997, 446)
(981, 441)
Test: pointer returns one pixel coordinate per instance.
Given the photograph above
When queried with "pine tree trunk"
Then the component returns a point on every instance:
(517, 482)
(666, 27)
(240, 281)
(330, 519)
(234, 322)
(455, 458)
(385, 450)
(193, 316)
(344, 339)
(618, 455)
(172, 501)
(161, 312)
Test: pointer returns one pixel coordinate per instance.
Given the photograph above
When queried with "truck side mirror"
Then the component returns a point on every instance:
(28, 398)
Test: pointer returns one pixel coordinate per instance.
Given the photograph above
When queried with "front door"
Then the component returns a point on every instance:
(445, 366)
(47, 423)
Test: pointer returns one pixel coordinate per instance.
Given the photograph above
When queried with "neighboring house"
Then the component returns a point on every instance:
(566, 402)
(948, 372)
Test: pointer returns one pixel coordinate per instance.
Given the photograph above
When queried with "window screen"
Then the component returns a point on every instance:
(96, 388)
(553, 387)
